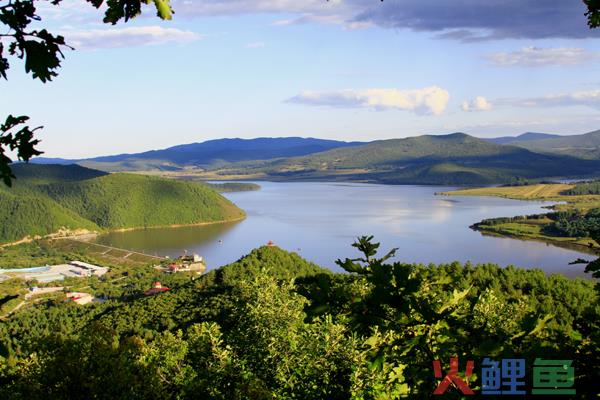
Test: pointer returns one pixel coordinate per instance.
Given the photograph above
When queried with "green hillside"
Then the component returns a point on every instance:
(446, 159)
(24, 215)
(275, 326)
(132, 201)
(281, 264)
(75, 197)
(583, 146)
(41, 174)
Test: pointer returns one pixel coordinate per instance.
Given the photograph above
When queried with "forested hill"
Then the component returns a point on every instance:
(49, 197)
(582, 146)
(446, 159)
(275, 326)
(211, 153)
(41, 174)
(525, 137)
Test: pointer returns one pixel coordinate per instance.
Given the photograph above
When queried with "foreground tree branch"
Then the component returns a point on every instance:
(42, 53)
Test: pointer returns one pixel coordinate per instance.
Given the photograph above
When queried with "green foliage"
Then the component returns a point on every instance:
(591, 187)
(575, 224)
(229, 187)
(426, 313)
(593, 13)
(47, 198)
(28, 255)
(592, 267)
(41, 49)
(20, 140)
(35, 174)
(273, 325)
(568, 224)
(23, 215)
(453, 159)
(134, 201)
(280, 263)
(117, 10)
(42, 52)
(586, 146)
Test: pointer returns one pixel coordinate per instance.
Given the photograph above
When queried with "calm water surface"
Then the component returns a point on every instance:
(321, 220)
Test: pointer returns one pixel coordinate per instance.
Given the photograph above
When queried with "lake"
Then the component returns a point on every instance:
(321, 220)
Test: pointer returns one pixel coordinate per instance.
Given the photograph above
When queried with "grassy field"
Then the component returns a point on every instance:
(543, 191)
(527, 192)
(534, 229)
(104, 255)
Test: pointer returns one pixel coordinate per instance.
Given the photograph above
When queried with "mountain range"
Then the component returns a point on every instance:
(525, 137)
(209, 154)
(582, 146)
(455, 159)
(429, 159)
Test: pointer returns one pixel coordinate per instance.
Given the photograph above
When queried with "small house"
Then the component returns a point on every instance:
(157, 287)
(80, 298)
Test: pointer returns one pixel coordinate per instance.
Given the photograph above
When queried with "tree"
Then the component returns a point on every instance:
(42, 53)
(593, 13)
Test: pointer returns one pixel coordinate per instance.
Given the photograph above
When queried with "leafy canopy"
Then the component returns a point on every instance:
(15, 136)
(42, 54)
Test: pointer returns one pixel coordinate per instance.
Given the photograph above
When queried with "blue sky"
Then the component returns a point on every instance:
(347, 70)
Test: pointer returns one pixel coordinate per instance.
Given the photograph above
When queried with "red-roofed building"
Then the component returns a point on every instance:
(80, 298)
(157, 287)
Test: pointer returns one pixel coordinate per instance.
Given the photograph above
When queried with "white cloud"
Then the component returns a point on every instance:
(590, 98)
(255, 45)
(125, 37)
(537, 56)
(479, 103)
(429, 100)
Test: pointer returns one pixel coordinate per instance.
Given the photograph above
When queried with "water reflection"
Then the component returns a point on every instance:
(161, 241)
(322, 219)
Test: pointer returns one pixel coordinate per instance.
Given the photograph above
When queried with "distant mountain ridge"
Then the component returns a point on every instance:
(208, 154)
(428, 159)
(454, 159)
(524, 137)
(585, 146)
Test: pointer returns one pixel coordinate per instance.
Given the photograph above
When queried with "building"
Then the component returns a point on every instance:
(50, 273)
(193, 263)
(157, 287)
(90, 269)
(80, 298)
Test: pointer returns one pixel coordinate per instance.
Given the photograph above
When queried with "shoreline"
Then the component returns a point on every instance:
(174, 226)
(88, 235)
(566, 244)
(541, 193)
